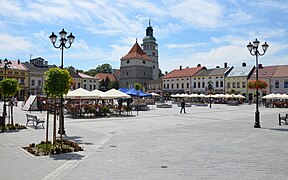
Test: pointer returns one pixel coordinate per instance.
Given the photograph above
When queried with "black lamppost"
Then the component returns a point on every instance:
(256, 53)
(210, 88)
(6, 66)
(61, 46)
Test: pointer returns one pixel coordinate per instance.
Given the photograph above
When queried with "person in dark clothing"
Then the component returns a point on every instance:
(182, 106)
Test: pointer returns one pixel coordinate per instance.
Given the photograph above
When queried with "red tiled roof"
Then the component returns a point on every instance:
(265, 72)
(281, 71)
(102, 76)
(136, 53)
(186, 72)
(117, 72)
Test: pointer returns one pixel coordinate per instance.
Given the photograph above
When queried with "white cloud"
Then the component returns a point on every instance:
(197, 13)
(182, 46)
(10, 44)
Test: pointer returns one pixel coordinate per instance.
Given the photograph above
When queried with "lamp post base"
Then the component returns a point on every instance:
(257, 121)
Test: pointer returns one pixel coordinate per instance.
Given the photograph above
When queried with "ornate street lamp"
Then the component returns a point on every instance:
(61, 46)
(256, 53)
(5, 67)
(210, 88)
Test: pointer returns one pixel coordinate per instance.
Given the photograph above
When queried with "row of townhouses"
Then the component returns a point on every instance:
(224, 80)
(31, 76)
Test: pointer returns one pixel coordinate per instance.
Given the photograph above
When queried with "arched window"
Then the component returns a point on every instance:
(276, 84)
(286, 83)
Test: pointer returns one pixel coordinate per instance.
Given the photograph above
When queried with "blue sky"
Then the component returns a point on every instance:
(188, 32)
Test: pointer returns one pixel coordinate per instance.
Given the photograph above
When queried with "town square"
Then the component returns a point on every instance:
(114, 89)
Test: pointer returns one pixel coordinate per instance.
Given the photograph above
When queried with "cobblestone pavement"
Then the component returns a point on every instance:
(204, 143)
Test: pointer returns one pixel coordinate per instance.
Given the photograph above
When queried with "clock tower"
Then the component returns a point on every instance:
(150, 47)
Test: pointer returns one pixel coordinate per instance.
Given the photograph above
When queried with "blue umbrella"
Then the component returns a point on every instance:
(134, 92)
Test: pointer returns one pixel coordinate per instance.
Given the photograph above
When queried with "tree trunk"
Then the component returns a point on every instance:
(61, 124)
(54, 125)
(12, 121)
(47, 125)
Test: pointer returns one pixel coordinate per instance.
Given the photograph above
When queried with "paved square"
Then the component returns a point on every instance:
(204, 143)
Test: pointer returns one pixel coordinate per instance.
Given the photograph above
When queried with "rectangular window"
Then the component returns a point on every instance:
(217, 84)
(90, 86)
(228, 85)
(39, 82)
(276, 84)
(32, 82)
(22, 81)
(84, 86)
(172, 86)
(199, 85)
(164, 86)
(233, 85)
(243, 84)
(203, 84)
(182, 85)
(177, 86)
(187, 85)
(167, 86)
(221, 83)
(238, 84)
(194, 86)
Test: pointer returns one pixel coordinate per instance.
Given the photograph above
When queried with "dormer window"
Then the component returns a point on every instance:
(144, 62)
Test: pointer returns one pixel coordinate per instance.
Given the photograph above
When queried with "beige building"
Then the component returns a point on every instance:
(237, 80)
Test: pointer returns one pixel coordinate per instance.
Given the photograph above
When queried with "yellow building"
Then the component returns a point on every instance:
(237, 80)
(15, 69)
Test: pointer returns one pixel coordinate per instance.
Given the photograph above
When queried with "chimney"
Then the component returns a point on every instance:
(260, 66)
(243, 64)
(18, 61)
(225, 65)
(198, 65)
(180, 67)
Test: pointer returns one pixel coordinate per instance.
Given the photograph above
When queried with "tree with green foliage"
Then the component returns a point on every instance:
(91, 72)
(137, 86)
(9, 87)
(57, 84)
(113, 84)
(160, 73)
(104, 68)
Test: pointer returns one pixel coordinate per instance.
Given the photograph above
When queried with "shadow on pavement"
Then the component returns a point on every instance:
(67, 156)
(77, 139)
(278, 129)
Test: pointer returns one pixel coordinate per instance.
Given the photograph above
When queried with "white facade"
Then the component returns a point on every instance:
(177, 85)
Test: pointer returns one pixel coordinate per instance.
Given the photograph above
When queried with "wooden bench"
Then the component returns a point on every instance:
(283, 118)
(35, 119)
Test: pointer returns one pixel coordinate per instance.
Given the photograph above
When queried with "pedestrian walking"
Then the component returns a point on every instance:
(183, 106)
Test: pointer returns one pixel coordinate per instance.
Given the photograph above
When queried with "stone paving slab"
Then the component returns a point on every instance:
(204, 143)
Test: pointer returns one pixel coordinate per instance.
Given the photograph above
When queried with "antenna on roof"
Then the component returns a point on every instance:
(149, 22)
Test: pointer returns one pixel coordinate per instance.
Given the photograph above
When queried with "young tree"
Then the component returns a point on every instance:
(57, 84)
(9, 88)
(137, 86)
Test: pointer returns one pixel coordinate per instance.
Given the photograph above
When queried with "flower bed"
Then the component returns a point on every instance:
(43, 149)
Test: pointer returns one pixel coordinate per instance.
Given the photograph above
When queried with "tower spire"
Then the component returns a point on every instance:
(149, 23)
